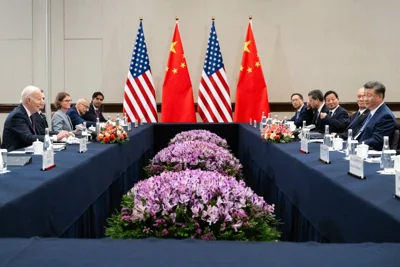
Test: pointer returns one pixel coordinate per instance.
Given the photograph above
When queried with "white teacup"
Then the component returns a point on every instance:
(38, 147)
(338, 144)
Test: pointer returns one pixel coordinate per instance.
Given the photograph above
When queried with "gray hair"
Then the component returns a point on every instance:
(28, 91)
(82, 100)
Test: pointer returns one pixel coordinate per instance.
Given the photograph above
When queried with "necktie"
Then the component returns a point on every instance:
(364, 125)
(317, 117)
(297, 114)
(330, 113)
(33, 121)
(354, 119)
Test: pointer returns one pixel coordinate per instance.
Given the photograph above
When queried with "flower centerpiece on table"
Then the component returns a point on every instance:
(199, 135)
(194, 204)
(195, 155)
(112, 134)
(277, 133)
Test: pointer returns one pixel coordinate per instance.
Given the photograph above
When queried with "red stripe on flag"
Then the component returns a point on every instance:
(219, 93)
(207, 107)
(226, 89)
(214, 102)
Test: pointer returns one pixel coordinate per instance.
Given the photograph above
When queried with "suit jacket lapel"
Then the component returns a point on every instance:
(28, 120)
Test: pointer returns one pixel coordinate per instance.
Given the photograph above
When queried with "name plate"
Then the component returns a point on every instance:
(48, 160)
(397, 185)
(324, 154)
(356, 167)
(129, 126)
(82, 145)
(304, 145)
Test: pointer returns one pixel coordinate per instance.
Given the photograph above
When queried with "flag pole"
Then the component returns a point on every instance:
(48, 64)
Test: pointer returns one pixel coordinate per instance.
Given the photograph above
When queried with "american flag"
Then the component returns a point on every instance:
(214, 102)
(139, 96)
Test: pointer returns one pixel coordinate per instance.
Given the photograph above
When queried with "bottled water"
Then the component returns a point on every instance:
(386, 159)
(47, 145)
(97, 125)
(263, 121)
(302, 132)
(117, 120)
(125, 120)
(349, 139)
(269, 119)
(328, 138)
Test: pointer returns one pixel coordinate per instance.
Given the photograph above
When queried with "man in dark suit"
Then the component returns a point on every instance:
(20, 126)
(302, 113)
(337, 117)
(41, 120)
(316, 102)
(357, 119)
(380, 121)
(75, 113)
(95, 108)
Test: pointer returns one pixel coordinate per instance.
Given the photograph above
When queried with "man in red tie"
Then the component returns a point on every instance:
(20, 126)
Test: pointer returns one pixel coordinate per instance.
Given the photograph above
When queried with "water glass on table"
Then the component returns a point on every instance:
(3, 160)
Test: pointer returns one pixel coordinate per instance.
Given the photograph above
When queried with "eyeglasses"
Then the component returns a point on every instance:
(67, 100)
(87, 107)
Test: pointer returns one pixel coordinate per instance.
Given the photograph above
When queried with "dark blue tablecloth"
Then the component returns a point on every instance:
(315, 201)
(338, 207)
(75, 198)
(184, 253)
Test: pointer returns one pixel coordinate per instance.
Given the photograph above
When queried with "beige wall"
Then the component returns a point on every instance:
(303, 44)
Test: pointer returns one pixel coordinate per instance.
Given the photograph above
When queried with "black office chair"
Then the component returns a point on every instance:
(397, 148)
(394, 140)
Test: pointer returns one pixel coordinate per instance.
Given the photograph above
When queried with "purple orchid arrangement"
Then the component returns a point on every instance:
(194, 204)
(195, 155)
(199, 135)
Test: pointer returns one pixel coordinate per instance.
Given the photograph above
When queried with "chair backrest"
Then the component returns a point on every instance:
(394, 141)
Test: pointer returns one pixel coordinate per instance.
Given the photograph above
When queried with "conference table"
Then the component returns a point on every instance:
(314, 201)
(194, 253)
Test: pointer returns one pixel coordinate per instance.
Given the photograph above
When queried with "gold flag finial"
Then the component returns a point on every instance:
(212, 18)
(176, 18)
(140, 18)
(250, 17)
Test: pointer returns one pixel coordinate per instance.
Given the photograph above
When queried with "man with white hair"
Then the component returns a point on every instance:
(75, 113)
(20, 129)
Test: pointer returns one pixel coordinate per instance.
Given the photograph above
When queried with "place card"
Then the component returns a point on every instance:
(304, 145)
(397, 185)
(356, 167)
(48, 160)
(324, 154)
(82, 145)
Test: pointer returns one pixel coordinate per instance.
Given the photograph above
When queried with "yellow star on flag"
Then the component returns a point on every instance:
(241, 68)
(175, 71)
(258, 64)
(249, 70)
(166, 68)
(246, 46)
(173, 47)
(183, 65)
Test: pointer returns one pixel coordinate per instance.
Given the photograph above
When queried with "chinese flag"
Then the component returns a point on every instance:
(177, 96)
(251, 91)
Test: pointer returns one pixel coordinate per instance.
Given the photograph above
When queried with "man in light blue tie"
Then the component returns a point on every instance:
(380, 121)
